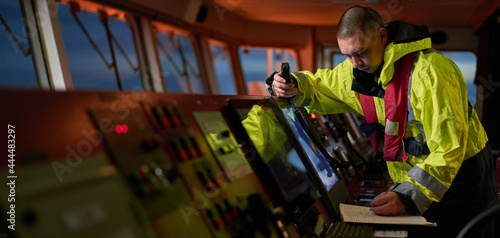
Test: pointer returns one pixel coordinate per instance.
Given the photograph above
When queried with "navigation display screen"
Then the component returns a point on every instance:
(319, 161)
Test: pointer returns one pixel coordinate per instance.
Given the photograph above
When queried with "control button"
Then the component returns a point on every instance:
(197, 145)
(176, 145)
(174, 119)
(323, 138)
(224, 134)
(143, 172)
(164, 122)
(224, 213)
(188, 146)
(226, 149)
(140, 182)
(212, 176)
(216, 220)
(161, 177)
(235, 212)
(207, 184)
(313, 116)
(181, 119)
(160, 118)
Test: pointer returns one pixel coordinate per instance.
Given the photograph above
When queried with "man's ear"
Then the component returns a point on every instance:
(383, 36)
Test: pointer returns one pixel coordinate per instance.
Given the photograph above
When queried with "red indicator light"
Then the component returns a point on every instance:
(165, 122)
(235, 212)
(313, 116)
(182, 153)
(209, 185)
(118, 129)
(218, 182)
(121, 129)
(219, 223)
(227, 217)
(192, 152)
(177, 121)
(124, 128)
(201, 151)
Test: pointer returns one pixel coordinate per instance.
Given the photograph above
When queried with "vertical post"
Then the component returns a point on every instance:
(103, 16)
(151, 56)
(53, 45)
(36, 45)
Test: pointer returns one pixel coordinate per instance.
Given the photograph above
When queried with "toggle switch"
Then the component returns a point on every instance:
(216, 220)
(235, 212)
(182, 120)
(160, 118)
(172, 116)
(224, 213)
(207, 183)
(178, 149)
(211, 174)
(188, 146)
(197, 145)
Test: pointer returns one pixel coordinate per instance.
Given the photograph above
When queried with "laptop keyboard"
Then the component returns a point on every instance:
(346, 229)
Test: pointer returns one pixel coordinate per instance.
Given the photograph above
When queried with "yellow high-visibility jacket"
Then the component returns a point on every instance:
(438, 115)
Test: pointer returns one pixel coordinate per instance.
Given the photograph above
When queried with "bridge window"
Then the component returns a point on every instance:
(257, 63)
(179, 65)
(16, 59)
(89, 29)
(222, 67)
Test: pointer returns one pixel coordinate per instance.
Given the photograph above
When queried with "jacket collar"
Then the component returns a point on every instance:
(366, 84)
(404, 38)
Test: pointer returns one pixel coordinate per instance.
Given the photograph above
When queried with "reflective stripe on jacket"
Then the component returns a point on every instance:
(438, 115)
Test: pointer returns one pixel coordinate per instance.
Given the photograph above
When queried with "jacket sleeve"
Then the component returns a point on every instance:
(269, 83)
(439, 101)
(328, 91)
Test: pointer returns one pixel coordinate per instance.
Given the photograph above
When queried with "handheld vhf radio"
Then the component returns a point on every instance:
(285, 72)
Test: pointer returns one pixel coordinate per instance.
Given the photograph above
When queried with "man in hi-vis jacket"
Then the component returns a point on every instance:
(415, 99)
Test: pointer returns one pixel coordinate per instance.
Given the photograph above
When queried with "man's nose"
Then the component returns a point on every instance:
(356, 62)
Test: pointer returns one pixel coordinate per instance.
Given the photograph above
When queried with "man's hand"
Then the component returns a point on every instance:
(387, 204)
(283, 89)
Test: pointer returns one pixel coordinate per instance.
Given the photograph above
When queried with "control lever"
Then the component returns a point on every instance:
(285, 72)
